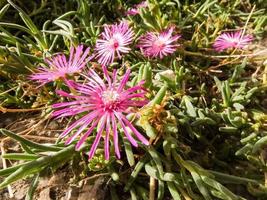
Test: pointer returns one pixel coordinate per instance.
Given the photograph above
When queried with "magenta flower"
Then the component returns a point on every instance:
(104, 105)
(161, 44)
(136, 9)
(114, 41)
(232, 40)
(132, 12)
(60, 67)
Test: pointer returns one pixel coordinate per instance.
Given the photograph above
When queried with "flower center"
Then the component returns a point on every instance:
(234, 41)
(159, 43)
(110, 98)
(114, 43)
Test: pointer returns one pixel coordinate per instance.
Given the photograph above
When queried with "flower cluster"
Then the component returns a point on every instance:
(116, 38)
(104, 101)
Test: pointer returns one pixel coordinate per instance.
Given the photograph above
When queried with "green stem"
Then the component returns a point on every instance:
(39, 164)
(232, 179)
(27, 142)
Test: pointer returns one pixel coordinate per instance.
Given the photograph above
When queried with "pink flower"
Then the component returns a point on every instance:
(143, 4)
(136, 9)
(103, 104)
(161, 44)
(60, 67)
(132, 12)
(115, 40)
(232, 40)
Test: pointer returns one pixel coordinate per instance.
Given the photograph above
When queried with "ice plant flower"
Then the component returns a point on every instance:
(154, 44)
(103, 104)
(136, 9)
(114, 41)
(60, 66)
(232, 40)
(132, 12)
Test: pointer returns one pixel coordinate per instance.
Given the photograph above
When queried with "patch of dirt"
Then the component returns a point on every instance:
(19, 190)
(57, 186)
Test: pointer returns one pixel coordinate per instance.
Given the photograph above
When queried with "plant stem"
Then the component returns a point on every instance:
(152, 188)
(232, 179)
(9, 188)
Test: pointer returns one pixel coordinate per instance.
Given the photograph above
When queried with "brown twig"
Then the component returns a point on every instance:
(4, 110)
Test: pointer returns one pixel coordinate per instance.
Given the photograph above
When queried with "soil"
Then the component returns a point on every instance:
(61, 185)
